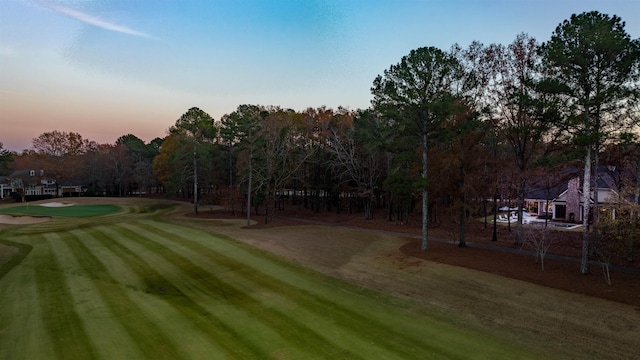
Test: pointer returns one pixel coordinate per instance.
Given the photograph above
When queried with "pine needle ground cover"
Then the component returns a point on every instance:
(127, 285)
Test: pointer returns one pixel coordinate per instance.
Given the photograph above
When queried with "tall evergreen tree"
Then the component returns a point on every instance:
(200, 130)
(6, 158)
(247, 124)
(592, 64)
(416, 96)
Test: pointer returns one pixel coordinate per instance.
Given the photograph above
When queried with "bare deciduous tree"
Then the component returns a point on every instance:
(537, 237)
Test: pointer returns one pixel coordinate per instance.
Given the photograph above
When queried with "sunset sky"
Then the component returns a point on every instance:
(113, 67)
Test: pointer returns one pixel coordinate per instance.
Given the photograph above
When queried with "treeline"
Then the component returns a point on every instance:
(119, 169)
(449, 135)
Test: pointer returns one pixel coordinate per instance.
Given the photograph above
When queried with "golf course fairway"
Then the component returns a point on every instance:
(129, 285)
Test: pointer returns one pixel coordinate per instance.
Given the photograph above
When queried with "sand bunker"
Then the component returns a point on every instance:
(56, 204)
(22, 220)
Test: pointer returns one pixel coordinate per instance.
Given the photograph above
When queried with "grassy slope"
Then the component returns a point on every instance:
(129, 286)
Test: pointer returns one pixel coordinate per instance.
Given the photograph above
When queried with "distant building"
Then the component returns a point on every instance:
(563, 201)
(33, 182)
(569, 205)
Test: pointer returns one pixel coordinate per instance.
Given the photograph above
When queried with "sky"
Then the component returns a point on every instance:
(107, 68)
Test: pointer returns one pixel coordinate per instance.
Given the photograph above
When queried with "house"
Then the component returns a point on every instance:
(34, 183)
(563, 201)
(538, 199)
(569, 205)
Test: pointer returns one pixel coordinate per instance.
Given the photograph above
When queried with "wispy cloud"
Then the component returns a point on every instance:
(95, 21)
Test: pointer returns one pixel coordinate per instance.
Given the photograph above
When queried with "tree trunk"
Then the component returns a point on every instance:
(424, 189)
(195, 182)
(268, 203)
(463, 199)
(249, 187)
(586, 189)
(484, 211)
(462, 242)
(509, 216)
(521, 190)
(634, 218)
(494, 237)
(594, 181)
(389, 206)
(594, 241)
(368, 211)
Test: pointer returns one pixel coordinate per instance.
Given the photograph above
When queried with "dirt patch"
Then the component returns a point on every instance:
(22, 220)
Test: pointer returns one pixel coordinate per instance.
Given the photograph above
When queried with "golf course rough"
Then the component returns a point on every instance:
(127, 285)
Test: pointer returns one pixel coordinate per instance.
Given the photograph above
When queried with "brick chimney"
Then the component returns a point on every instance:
(573, 200)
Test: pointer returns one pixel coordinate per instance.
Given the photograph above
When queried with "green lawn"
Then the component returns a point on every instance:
(66, 211)
(131, 286)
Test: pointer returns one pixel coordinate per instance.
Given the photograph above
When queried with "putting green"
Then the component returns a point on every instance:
(134, 287)
(65, 211)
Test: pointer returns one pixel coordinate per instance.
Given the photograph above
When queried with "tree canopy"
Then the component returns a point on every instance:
(416, 96)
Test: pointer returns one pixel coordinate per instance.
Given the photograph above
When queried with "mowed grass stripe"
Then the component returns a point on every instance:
(109, 305)
(155, 309)
(183, 302)
(155, 323)
(327, 318)
(346, 320)
(23, 334)
(291, 332)
(15, 259)
(347, 327)
(69, 338)
(120, 262)
(363, 317)
(204, 316)
(253, 336)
